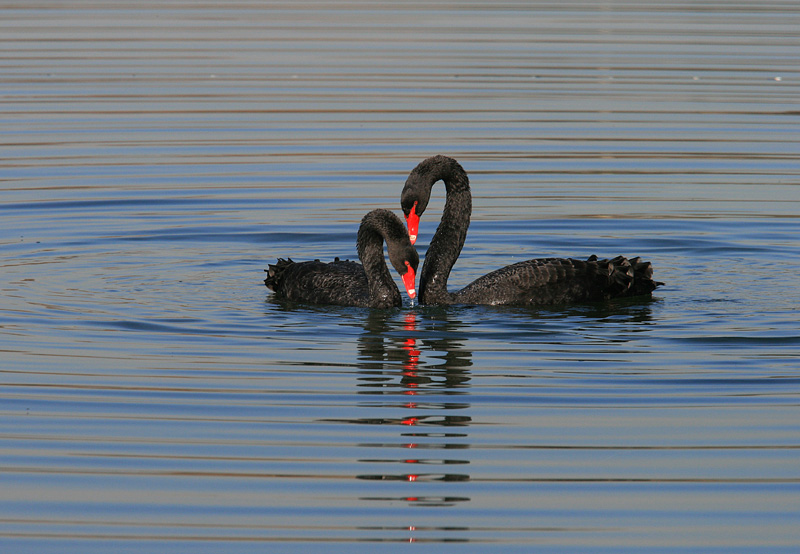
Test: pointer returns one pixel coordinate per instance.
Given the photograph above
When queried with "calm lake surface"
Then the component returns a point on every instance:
(155, 157)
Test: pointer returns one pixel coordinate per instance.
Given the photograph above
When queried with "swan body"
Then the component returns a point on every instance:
(347, 283)
(534, 282)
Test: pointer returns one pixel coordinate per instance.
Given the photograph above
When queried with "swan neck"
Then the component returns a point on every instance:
(382, 288)
(447, 242)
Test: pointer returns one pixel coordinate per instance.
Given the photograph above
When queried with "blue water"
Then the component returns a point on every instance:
(157, 398)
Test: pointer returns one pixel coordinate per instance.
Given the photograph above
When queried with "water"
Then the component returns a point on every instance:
(154, 158)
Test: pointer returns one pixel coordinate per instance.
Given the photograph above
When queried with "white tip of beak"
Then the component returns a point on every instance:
(412, 293)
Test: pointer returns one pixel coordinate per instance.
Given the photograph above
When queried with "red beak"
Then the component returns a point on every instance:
(412, 220)
(409, 280)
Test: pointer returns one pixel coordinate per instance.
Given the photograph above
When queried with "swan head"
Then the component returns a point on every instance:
(410, 281)
(412, 221)
(383, 226)
(405, 260)
(417, 190)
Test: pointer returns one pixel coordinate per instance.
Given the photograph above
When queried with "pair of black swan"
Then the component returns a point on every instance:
(535, 282)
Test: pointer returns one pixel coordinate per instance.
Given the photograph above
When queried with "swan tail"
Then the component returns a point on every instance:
(276, 273)
(628, 277)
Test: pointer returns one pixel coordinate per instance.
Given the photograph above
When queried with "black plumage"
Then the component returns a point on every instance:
(347, 283)
(533, 282)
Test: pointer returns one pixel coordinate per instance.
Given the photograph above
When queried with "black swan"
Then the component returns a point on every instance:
(347, 283)
(533, 282)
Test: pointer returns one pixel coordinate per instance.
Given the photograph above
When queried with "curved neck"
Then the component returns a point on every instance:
(447, 242)
(383, 291)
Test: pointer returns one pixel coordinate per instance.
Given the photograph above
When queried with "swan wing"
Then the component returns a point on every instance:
(339, 282)
(560, 280)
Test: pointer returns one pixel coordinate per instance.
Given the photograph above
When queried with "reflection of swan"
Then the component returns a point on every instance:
(395, 366)
(393, 377)
(347, 283)
(532, 282)
(424, 348)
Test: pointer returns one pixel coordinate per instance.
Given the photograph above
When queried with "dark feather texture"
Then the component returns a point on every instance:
(347, 283)
(532, 282)
(339, 282)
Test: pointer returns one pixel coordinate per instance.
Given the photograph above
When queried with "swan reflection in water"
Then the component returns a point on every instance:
(408, 381)
(414, 380)
(414, 376)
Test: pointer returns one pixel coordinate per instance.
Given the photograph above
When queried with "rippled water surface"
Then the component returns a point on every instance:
(155, 157)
